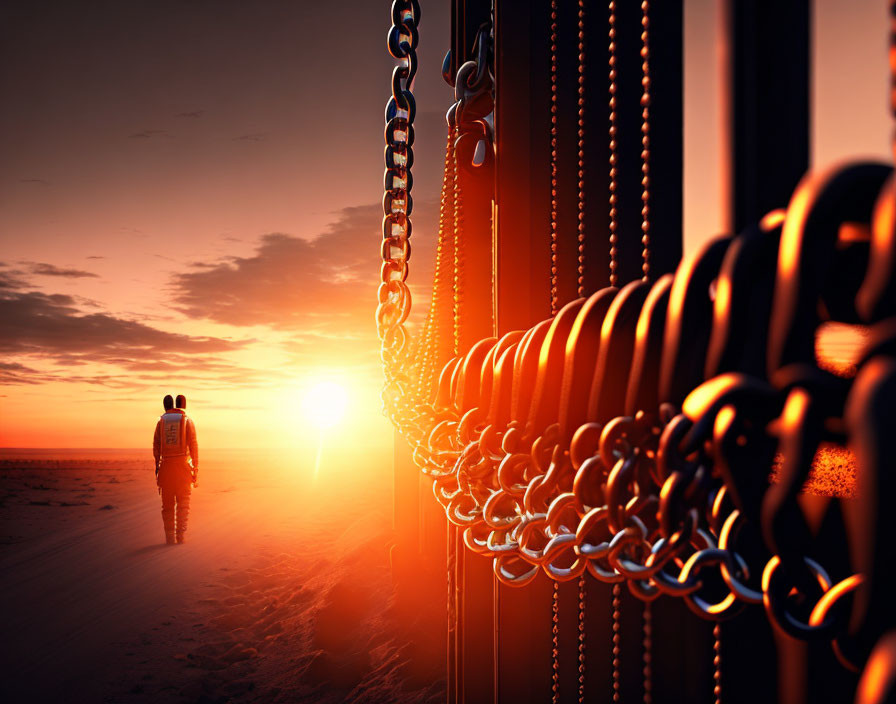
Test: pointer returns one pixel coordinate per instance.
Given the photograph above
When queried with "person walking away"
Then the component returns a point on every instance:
(177, 462)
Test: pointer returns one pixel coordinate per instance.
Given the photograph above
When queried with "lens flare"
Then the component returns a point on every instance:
(324, 404)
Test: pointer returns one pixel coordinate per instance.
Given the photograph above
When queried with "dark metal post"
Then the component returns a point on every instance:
(767, 105)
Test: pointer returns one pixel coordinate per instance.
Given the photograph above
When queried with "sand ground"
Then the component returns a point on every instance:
(282, 593)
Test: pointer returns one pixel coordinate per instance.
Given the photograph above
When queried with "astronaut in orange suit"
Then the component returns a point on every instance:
(176, 453)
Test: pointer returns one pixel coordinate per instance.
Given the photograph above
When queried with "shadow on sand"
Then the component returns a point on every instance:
(149, 548)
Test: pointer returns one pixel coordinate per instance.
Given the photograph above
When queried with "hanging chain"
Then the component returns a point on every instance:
(580, 279)
(458, 259)
(647, 644)
(435, 347)
(645, 139)
(717, 663)
(617, 675)
(580, 225)
(582, 639)
(555, 644)
(394, 297)
(614, 223)
(555, 302)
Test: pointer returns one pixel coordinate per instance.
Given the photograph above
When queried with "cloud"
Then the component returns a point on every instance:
(38, 181)
(10, 281)
(322, 291)
(15, 373)
(94, 256)
(256, 137)
(31, 321)
(50, 328)
(191, 114)
(44, 269)
(148, 134)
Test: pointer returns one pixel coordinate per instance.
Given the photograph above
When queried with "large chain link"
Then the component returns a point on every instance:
(666, 501)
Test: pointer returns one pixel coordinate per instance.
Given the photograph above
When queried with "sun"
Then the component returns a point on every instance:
(324, 404)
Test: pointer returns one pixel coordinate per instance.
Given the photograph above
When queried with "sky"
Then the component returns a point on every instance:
(189, 201)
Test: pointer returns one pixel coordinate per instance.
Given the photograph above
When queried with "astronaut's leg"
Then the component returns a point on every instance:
(183, 512)
(168, 501)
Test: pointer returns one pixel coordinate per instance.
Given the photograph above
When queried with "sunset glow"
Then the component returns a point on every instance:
(325, 403)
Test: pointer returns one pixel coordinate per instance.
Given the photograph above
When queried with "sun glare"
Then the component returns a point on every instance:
(324, 404)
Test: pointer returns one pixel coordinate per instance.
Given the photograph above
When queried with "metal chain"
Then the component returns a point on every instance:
(617, 675)
(614, 224)
(394, 295)
(647, 644)
(645, 139)
(435, 352)
(580, 276)
(580, 225)
(582, 639)
(555, 644)
(555, 301)
(717, 663)
(458, 260)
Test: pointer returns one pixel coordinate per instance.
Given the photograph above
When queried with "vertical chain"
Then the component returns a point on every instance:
(555, 303)
(616, 626)
(433, 351)
(717, 663)
(614, 278)
(648, 653)
(580, 225)
(582, 639)
(555, 644)
(645, 138)
(458, 258)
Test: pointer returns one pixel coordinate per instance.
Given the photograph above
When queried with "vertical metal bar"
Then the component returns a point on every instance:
(765, 112)
(460, 589)
(522, 119)
(766, 105)
(522, 171)
(451, 663)
(666, 135)
(496, 638)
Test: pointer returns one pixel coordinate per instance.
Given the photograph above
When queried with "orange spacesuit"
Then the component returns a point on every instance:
(176, 452)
